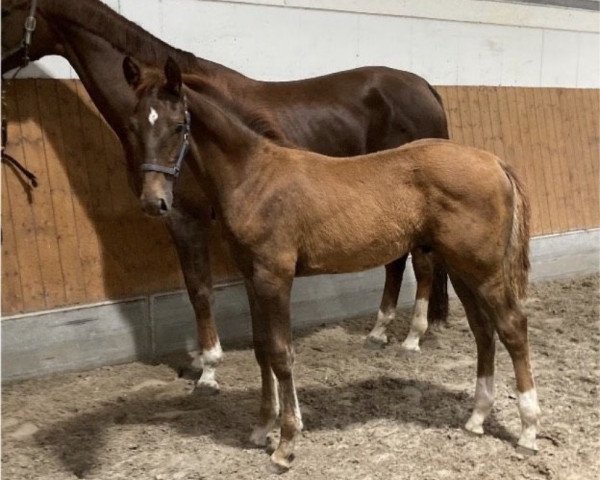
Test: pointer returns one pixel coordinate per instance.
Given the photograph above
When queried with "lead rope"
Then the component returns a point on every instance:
(10, 160)
(30, 24)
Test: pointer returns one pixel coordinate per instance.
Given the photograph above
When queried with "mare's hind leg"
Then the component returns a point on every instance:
(387, 310)
(511, 325)
(484, 333)
(190, 235)
(423, 267)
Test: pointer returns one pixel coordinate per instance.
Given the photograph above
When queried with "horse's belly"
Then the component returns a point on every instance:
(347, 260)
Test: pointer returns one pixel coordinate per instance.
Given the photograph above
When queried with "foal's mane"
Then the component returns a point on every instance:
(128, 37)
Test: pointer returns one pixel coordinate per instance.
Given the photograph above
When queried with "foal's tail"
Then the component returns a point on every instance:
(516, 263)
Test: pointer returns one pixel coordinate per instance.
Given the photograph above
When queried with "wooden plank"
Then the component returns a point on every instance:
(573, 134)
(543, 175)
(454, 115)
(62, 195)
(116, 276)
(474, 117)
(466, 122)
(589, 145)
(485, 120)
(89, 248)
(497, 145)
(508, 134)
(572, 203)
(22, 210)
(43, 212)
(12, 292)
(551, 170)
(518, 113)
(570, 168)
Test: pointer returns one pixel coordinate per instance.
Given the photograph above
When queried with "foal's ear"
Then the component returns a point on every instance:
(132, 72)
(173, 76)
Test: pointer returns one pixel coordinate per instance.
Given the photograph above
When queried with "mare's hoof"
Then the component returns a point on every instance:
(205, 389)
(279, 463)
(376, 343)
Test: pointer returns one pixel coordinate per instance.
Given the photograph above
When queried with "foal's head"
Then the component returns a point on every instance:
(160, 124)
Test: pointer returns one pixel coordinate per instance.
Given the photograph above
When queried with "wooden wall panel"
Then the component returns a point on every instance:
(80, 236)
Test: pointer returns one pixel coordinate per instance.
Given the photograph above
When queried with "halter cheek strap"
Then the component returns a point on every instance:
(185, 145)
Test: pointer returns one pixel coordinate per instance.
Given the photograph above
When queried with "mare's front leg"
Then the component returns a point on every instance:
(272, 287)
(394, 271)
(423, 267)
(190, 234)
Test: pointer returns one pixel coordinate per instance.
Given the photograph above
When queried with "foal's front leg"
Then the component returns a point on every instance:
(190, 234)
(269, 403)
(272, 287)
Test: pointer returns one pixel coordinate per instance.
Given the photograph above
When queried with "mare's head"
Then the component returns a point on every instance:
(43, 39)
(159, 126)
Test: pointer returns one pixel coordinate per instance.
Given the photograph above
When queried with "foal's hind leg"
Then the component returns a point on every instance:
(483, 330)
(511, 325)
(423, 267)
(387, 310)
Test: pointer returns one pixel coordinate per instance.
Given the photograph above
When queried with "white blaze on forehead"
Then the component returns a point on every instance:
(153, 116)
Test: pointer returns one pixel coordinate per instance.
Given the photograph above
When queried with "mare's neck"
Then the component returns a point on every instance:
(98, 19)
(94, 39)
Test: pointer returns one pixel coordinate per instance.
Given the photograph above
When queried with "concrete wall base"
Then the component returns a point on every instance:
(146, 328)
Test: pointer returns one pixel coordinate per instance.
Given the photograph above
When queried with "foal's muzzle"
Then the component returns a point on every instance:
(156, 205)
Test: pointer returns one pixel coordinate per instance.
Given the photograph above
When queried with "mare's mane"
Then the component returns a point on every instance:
(128, 37)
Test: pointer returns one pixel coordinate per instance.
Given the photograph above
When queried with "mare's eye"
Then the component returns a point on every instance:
(179, 128)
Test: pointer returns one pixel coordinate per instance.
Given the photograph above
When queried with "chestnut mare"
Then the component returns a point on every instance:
(343, 114)
(290, 213)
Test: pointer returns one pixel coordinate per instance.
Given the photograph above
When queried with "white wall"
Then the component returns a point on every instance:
(501, 43)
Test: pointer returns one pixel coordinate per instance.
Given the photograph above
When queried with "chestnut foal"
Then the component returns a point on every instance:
(290, 212)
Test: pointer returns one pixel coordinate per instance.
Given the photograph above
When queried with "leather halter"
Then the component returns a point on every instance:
(29, 26)
(185, 145)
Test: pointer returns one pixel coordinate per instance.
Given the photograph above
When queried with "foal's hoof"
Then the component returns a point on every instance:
(527, 444)
(279, 463)
(373, 342)
(206, 388)
(259, 437)
(410, 347)
(475, 429)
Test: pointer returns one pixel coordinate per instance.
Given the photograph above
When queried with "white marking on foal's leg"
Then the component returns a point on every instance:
(529, 410)
(377, 336)
(153, 116)
(418, 326)
(484, 400)
(208, 360)
(297, 412)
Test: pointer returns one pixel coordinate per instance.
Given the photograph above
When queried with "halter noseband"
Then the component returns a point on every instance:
(185, 145)
(29, 26)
